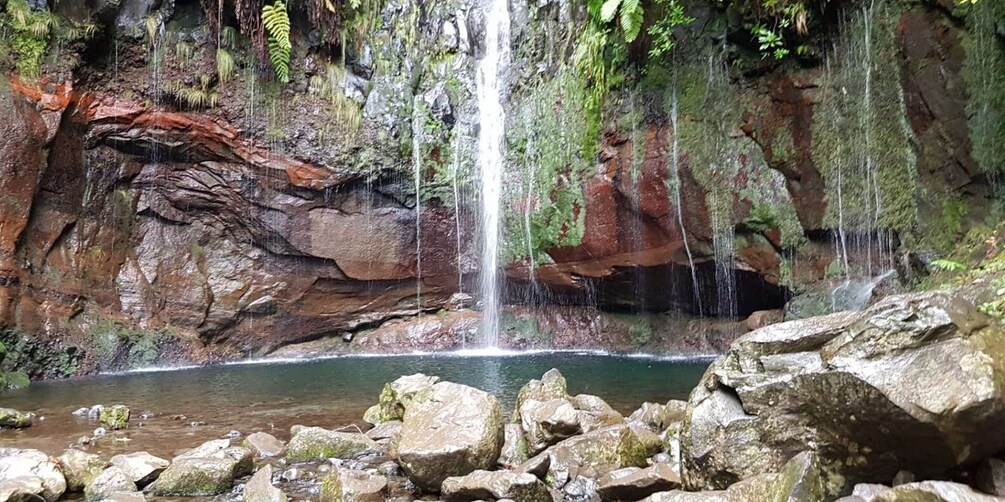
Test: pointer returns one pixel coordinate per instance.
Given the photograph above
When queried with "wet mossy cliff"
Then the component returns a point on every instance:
(163, 197)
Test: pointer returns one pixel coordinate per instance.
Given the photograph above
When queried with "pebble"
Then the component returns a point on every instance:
(234, 434)
(100, 431)
(292, 474)
(81, 412)
(94, 412)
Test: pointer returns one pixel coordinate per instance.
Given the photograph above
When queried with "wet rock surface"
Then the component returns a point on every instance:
(861, 389)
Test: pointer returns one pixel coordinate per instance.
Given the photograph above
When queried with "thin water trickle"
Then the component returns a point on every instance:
(417, 175)
(491, 139)
(676, 181)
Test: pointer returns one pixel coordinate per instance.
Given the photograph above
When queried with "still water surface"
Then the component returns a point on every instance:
(185, 407)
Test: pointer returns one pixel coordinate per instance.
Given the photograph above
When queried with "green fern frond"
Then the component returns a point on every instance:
(184, 50)
(225, 66)
(277, 24)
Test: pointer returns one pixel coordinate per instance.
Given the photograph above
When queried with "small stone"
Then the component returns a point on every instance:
(111, 480)
(903, 477)
(260, 488)
(489, 485)
(14, 419)
(115, 417)
(81, 412)
(264, 445)
(385, 430)
(291, 474)
(100, 431)
(94, 412)
(234, 434)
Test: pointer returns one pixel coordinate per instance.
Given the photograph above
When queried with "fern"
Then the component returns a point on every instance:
(948, 265)
(277, 24)
(225, 65)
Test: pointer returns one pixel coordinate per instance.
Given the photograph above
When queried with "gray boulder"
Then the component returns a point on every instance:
(933, 491)
(548, 422)
(495, 485)
(347, 485)
(264, 445)
(260, 488)
(386, 430)
(207, 470)
(14, 419)
(24, 488)
(514, 450)
(79, 468)
(16, 463)
(141, 467)
(449, 430)
(552, 385)
(800, 480)
(914, 382)
(633, 483)
(315, 443)
(596, 453)
(396, 396)
(594, 413)
(651, 415)
(111, 480)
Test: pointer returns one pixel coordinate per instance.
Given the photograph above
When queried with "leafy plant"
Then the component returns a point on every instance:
(948, 265)
(662, 30)
(630, 15)
(194, 97)
(277, 23)
(769, 41)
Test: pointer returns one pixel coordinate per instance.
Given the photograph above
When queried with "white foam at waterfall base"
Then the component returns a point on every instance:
(491, 138)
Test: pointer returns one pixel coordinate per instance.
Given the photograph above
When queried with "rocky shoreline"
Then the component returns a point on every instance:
(900, 402)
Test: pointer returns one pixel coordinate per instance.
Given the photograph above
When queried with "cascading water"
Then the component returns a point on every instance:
(675, 181)
(491, 139)
(417, 175)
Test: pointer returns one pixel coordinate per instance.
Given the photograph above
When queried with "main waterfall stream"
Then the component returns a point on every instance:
(491, 140)
(186, 407)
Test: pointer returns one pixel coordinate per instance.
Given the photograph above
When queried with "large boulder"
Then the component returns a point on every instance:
(596, 453)
(264, 445)
(18, 466)
(552, 385)
(395, 396)
(449, 430)
(548, 422)
(633, 483)
(933, 491)
(316, 443)
(800, 480)
(207, 470)
(111, 480)
(495, 485)
(914, 382)
(141, 467)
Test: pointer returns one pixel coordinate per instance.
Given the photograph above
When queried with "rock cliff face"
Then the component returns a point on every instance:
(134, 228)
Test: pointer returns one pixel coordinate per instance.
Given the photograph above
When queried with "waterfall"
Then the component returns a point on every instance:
(417, 167)
(491, 138)
(676, 181)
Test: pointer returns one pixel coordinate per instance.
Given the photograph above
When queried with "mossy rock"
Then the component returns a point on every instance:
(316, 443)
(115, 417)
(14, 419)
(195, 477)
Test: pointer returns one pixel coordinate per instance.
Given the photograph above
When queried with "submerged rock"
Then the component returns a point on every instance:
(914, 382)
(316, 443)
(346, 485)
(17, 465)
(260, 488)
(495, 485)
(115, 417)
(79, 468)
(14, 419)
(450, 430)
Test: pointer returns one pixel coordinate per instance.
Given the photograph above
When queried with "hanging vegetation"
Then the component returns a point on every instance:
(277, 23)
